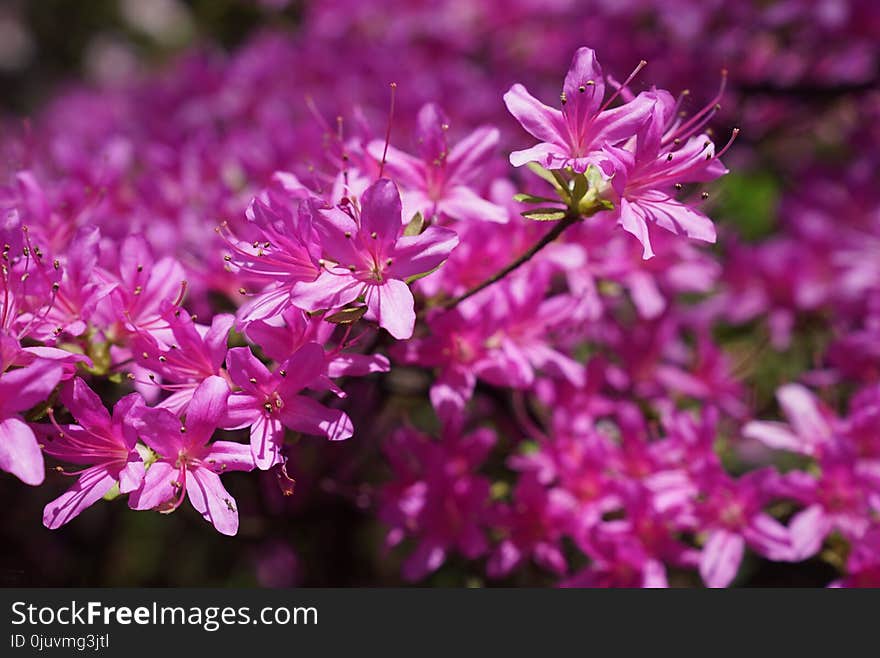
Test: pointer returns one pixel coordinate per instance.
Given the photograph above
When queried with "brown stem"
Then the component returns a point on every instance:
(555, 232)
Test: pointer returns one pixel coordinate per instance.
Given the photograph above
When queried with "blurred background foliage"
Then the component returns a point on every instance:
(45, 42)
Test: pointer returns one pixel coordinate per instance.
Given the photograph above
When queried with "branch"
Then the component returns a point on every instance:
(555, 232)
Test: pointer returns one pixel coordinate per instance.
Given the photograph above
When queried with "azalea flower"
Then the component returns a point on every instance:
(187, 465)
(105, 445)
(436, 498)
(649, 169)
(269, 402)
(191, 354)
(438, 181)
(283, 252)
(20, 390)
(577, 135)
(366, 254)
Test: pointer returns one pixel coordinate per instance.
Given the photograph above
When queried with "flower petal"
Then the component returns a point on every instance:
(210, 498)
(304, 414)
(392, 305)
(541, 121)
(89, 488)
(19, 452)
(721, 558)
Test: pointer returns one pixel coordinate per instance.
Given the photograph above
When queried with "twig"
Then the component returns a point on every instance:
(551, 235)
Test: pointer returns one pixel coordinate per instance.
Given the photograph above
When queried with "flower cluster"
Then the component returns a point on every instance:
(539, 369)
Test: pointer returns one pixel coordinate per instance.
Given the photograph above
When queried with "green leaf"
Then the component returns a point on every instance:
(581, 185)
(347, 315)
(544, 214)
(562, 181)
(531, 198)
(750, 202)
(416, 277)
(416, 225)
(549, 176)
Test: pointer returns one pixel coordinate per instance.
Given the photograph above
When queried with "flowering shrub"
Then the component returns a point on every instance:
(202, 275)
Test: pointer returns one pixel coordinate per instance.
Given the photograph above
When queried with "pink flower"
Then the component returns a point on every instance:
(80, 289)
(280, 340)
(283, 250)
(576, 136)
(187, 464)
(270, 401)
(145, 286)
(811, 425)
(532, 526)
(107, 445)
(20, 390)
(499, 336)
(191, 354)
(844, 494)
(438, 181)
(654, 165)
(619, 561)
(366, 253)
(732, 513)
(863, 563)
(436, 497)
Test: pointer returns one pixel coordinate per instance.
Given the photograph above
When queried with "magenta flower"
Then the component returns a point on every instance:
(500, 337)
(187, 464)
(192, 354)
(845, 493)
(811, 425)
(436, 497)
(576, 136)
(270, 401)
(438, 181)
(280, 341)
(20, 390)
(532, 526)
(284, 250)
(145, 286)
(863, 563)
(366, 253)
(619, 561)
(732, 513)
(649, 171)
(107, 446)
(79, 290)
